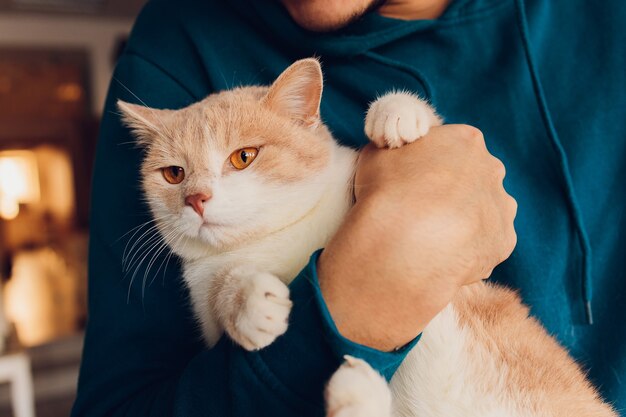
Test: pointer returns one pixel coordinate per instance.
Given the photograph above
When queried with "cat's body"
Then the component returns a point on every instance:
(495, 360)
(244, 233)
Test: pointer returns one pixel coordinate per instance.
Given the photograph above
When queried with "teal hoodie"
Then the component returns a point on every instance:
(544, 80)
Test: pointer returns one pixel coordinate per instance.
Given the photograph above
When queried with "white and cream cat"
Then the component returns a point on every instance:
(247, 183)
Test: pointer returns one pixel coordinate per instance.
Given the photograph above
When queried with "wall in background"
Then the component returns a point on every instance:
(97, 36)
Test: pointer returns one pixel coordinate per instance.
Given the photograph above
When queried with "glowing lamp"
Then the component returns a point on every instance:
(19, 181)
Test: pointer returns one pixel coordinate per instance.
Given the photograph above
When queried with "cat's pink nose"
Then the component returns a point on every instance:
(196, 201)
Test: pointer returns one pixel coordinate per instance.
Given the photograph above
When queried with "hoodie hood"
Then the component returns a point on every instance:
(369, 32)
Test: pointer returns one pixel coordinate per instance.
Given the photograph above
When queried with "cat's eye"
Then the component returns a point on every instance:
(173, 174)
(242, 158)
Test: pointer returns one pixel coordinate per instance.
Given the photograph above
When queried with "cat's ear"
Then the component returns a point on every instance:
(297, 92)
(142, 120)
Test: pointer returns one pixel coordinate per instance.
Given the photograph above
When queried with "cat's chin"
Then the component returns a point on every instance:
(196, 247)
(213, 235)
(192, 238)
(209, 239)
(212, 238)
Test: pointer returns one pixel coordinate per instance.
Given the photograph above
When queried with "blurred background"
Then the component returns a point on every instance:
(56, 60)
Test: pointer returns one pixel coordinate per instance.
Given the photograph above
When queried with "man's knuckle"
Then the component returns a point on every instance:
(499, 168)
(470, 134)
(510, 245)
(509, 204)
(474, 135)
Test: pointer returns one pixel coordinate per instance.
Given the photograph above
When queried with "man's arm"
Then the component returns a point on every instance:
(430, 217)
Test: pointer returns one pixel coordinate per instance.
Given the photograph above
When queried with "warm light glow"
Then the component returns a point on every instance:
(9, 208)
(56, 182)
(40, 297)
(19, 181)
(69, 92)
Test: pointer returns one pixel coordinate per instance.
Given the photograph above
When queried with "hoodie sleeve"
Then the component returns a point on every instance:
(143, 355)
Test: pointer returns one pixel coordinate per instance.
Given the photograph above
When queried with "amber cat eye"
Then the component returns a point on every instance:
(242, 158)
(173, 174)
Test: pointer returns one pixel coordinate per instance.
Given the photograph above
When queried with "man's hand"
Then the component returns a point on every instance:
(429, 218)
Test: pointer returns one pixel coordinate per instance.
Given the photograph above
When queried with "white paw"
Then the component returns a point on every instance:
(258, 309)
(399, 118)
(357, 390)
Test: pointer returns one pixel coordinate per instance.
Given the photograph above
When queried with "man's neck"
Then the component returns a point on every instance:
(413, 9)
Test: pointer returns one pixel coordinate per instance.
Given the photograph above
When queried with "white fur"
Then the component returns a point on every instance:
(356, 390)
(398, 118)
(261, 316)
(448, 375)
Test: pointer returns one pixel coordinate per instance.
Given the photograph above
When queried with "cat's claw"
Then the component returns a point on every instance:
(398, 118)
(260, 310)
(357, 390)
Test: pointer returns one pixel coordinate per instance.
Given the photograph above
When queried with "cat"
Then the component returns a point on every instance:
(247, 183)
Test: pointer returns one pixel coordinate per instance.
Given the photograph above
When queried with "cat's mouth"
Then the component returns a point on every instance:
(210, 224)
(215, 234)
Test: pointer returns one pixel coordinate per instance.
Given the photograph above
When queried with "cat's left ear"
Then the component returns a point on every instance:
(297, 92)
(142, 120)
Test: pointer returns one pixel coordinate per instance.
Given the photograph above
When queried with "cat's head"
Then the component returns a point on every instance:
(236, 165)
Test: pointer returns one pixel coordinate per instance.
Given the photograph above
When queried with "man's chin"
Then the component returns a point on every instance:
(319, 26)
(327, 16)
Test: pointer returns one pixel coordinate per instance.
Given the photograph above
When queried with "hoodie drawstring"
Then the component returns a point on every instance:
(554, 138)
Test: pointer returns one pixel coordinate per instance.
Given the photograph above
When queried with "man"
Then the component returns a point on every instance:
(543, 81)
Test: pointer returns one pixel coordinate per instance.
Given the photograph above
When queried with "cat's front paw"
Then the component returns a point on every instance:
(399, 118)
(357, 390)
(257, 309)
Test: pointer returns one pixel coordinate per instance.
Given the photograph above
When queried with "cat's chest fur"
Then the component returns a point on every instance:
(284, 252)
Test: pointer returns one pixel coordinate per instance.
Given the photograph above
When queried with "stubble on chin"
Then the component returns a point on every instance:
(320, 20)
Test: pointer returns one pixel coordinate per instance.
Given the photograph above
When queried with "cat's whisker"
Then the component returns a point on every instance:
(224, 78)
(254, 80)
(141, 250)
(176, 243)
(169, 257)
(184, 248)
(145, 234)
(165, 262)
(138, 244)
(165, 238)
(115, 113)
(156, 255)
(158, 250)
(155, 246)
(142, 225)
(134, 230)
(162, 133)
(152, 220)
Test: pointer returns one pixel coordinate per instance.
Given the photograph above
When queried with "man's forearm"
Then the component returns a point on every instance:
(366, 307)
